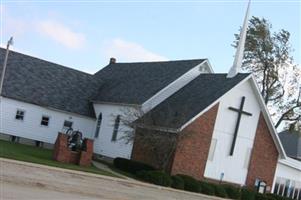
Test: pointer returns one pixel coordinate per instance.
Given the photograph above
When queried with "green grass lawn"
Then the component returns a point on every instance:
(38, 155)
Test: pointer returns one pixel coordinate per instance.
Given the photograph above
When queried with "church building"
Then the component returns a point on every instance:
(187, 119)
(227, 131)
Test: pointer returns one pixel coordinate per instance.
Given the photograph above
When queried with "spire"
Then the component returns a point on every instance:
(241, 46)
(10, 42)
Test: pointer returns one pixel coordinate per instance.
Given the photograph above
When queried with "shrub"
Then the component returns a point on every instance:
(220, 191)
(155, 177)
(207, 188)
(247, 194)
(277, 197)
(232, 192)
(131, 166)
(190, 184)
(259, 196)
(177, 182)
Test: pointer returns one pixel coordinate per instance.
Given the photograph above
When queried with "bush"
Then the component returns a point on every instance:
(277, 197)
(155, 177)
(220, 191)
(207, 188)
(190, 184)
(232, 192)
(259, 196)
(247, 194)
(131, 166)
(177, 182)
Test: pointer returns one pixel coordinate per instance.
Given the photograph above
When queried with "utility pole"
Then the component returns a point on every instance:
(10, 42)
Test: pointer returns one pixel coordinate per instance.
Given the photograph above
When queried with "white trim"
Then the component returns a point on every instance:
(116, 104)
(212, 149)
(158, 128)
(268, 119)
(212, 104)
(291, 163)
(264, 110)
(149, 104)
(209, 66)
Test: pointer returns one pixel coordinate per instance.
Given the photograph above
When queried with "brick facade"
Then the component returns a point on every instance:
(152, 150)
(264, 156)
(192, 149)
(193, 146)
(62, 153)
(85, 158)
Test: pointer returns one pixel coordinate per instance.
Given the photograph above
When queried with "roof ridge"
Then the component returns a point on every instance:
(163, 61)
(57, 64)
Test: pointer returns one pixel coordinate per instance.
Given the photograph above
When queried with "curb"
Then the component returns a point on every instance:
(134, 182)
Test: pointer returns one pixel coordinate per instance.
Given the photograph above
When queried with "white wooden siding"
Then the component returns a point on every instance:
(233, 167)
(287, 171)
(31, 127)
(103, 144)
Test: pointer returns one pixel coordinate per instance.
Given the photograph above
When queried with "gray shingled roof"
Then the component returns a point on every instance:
(190, 100)
(51, 85)
(291, 142)
(134, 83)
(47, 84)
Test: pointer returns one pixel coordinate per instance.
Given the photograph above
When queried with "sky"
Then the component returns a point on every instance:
(85, 34)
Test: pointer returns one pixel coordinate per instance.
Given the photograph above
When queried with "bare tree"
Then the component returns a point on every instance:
(159, 142)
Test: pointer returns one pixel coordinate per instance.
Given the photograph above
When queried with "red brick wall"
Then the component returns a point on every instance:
(264, 156)
(151, 150)
(86, 155)
(62, 153)
(193, 146)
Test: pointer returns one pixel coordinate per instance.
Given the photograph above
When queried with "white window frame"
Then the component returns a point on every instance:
(116, 129)
(16, 113)
(42, 121)
(65, 127)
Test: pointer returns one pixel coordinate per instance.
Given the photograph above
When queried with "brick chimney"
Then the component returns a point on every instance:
(112, 60)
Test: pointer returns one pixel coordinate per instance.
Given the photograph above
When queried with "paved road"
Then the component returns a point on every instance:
(31, 181)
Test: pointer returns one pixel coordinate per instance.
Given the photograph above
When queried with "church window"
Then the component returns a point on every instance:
(20, 115)
(116, 127)
(45, 121)
(68, 124)
(247, 158)
(99, 119)
(212, 149)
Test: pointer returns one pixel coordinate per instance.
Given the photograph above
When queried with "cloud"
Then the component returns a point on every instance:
(11, 26)
(130, 51)
(61, 34)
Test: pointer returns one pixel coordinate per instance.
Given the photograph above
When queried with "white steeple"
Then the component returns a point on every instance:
(241, 46)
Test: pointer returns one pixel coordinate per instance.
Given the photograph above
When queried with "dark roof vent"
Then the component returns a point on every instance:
(112, 60)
